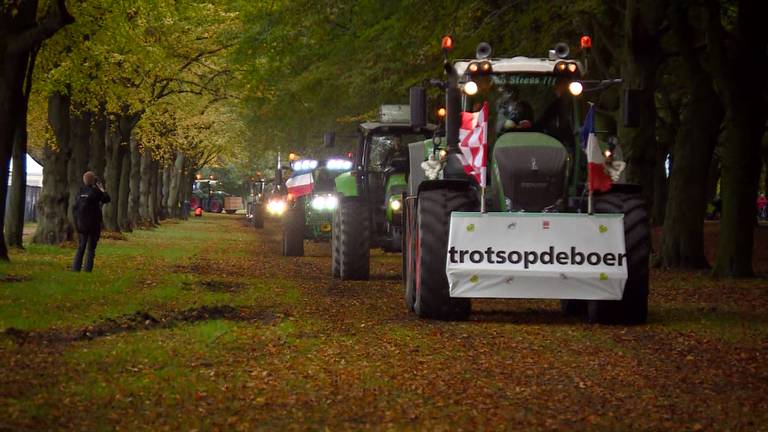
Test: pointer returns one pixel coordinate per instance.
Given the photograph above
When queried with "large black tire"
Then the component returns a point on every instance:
(336, 244)
(354, 239)
(433, 219)
(408, 256)
(258, 216)
(574, 307)
(293, 231)
(633, 307)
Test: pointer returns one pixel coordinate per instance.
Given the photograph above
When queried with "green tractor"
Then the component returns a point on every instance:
(538, 227)
(255, 201)
(311, 201)
(371, 196)
(205, 195)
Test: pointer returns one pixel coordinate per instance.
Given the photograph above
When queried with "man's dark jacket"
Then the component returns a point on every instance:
(89, 201)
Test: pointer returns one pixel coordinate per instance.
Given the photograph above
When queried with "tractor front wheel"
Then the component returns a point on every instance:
(355, 239)
(433, 220)
(293, 231)
(633, 306)
(258, 216)
(336, 244)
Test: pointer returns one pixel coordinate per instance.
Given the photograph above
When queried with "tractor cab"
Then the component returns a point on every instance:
(532, 126)
(383, 158)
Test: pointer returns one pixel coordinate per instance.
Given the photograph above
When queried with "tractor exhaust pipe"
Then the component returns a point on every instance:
(452, 118)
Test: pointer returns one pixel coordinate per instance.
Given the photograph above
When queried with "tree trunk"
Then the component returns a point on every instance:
(736, 70)
(112, 173)
(135, 193)
(166, 178)
(642, 58)
(154, 188)
(123, 220)
(683, 235)
(80, 126)
(14, 215)
(98, 145)
(23, 30)
(53, 225)
(144, 188)
(173, 189)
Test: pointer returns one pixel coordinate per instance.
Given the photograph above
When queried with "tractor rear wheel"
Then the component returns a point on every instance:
(355, 239)
(336, 244)
(433, 220)
(633, 307)
(293, 230)
(258, 216)
(408, 256)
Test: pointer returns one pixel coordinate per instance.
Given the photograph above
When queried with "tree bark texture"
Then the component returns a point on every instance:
(736, 68)
(135, 193)
(175, 181)
(53, 225)
(112, 173)
(98, 145)
(166, 179)
(123, 203)
(144, 188)
(80, 127)
(683, 236)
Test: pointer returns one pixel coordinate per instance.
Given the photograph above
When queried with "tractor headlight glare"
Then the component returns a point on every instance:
(395, 204)
(470, 88)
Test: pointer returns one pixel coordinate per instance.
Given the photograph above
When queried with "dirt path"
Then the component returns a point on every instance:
(346, 355)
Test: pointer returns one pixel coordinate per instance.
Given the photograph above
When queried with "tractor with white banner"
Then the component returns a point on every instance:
(520, 200)
(311, 202)
(371, 195)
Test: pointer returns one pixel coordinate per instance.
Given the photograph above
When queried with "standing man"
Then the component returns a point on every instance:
(88, 219)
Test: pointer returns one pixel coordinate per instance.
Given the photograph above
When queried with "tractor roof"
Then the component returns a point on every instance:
(396, 128)
(517, 64)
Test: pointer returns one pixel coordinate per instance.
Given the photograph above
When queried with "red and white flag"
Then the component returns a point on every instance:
(473, 142)
(300, 185)
(597, 178)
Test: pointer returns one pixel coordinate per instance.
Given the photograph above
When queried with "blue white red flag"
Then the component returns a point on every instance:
(597, 178)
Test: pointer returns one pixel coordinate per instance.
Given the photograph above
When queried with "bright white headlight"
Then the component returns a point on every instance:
(470, 88)
(331, 202)
(395, 204)
(575, 88)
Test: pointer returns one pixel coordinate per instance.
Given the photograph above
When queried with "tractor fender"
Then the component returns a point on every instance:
(346, 184)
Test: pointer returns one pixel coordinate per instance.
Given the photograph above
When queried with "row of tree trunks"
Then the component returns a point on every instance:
(103, 144)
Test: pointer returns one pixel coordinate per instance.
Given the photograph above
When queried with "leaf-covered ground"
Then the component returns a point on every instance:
(202, 325)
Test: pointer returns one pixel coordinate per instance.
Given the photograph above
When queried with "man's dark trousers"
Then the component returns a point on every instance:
(87, 244)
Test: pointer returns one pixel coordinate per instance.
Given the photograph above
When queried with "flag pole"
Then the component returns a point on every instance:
(482, 200)
(590, 208)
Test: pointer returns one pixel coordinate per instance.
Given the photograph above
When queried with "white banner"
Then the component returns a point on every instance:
(537, 256)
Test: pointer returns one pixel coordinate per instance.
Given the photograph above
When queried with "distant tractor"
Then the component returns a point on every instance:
(255, 202)
(371, 196)
(535, 229)
(311, 202)
(206, 196)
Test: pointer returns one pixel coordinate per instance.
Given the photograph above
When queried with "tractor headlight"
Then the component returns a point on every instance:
(470, 88)
(395, 204)
(276, 207)
(324, 202)
(575, 88)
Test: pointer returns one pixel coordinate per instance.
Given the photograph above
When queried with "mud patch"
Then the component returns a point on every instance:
(141, 320)
(214, 285)
(13, 278)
